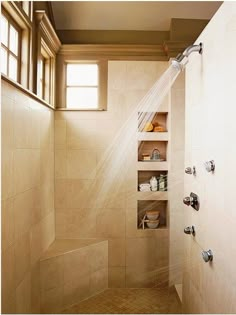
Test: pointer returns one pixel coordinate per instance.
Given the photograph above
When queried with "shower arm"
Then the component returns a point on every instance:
(182, 59)
(193, 48)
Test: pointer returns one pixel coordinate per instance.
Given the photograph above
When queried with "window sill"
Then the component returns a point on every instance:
(24, 90)
(81, 109)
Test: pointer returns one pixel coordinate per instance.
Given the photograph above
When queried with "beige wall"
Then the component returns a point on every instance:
(27, 197)
(96, 178)
(176, 179)
(210, 134)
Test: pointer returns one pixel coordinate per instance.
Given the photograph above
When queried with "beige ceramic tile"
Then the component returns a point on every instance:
(7, 116)
(98, 256)
(111, 223)
(81, 134)
(51, 273)
(23, 296)
(116, 277)
(47, 230)
(8, 304)
(22, 126)
(99, 281)
(116, 252)
(8, 229)
(75, 291)
(35, 243)
(26, 169)
(60, 163)
(22, 257)
(71, 263)
(81, 164)
(141, 252)
(35, 288)
(141, 277)
(60, 193)
(60, 134)
(78, 192)
(23, 210)
(7, 163)
(52, 300)
(80, 223)
(34, 125)
(8, 273)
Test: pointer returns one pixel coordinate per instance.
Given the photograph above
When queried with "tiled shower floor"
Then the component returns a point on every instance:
(129, 301)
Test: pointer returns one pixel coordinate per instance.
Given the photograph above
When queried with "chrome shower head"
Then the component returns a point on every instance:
(182, 59)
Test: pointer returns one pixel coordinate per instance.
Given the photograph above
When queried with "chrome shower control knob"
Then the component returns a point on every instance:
(189, 230)
(190, 170)
(192, 201)
(209, 166)
(187, 201)
(207, 255)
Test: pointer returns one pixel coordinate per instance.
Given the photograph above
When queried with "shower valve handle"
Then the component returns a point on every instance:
(189, 230)
(192, 201)
(207, 255)
(209, 166)
(190, 170)
(187, 201)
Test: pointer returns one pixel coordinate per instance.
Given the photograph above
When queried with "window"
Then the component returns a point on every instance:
(42, 77)
(44, 73)
(10, 48)
(82, 90)
(48, 45)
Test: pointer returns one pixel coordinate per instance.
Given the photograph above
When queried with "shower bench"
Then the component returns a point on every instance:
(72, 270)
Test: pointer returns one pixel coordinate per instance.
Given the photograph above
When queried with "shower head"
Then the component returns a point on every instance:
(182, 59)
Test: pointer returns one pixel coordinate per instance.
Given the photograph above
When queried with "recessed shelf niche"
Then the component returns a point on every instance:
(145, 176)
(157, 119)
(147, 205)
(147, 147)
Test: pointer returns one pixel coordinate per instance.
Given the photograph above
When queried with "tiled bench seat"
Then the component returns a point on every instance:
(71, 271)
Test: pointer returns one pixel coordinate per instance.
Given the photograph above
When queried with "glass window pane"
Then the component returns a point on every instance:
(13, 68)
(82, 74)
(3, 60)
(13, 40)
(4, 30)
(82, 98)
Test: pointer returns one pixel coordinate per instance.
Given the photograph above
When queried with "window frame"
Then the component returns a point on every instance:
(68, 57)
(11, 22)
(18, 16)
(47, 45)
(87, 62)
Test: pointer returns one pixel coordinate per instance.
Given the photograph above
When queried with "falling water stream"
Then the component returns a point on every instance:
(109, 183)
(111, 166)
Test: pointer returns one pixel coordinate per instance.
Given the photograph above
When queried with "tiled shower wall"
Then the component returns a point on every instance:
(28, 225)
(176, 180)
(96, 178)
(210, 134)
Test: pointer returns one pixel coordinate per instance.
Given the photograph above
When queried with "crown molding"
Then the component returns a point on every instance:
(47, 29)
(149, 52)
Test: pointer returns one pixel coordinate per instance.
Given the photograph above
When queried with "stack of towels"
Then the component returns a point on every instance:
(145, 187)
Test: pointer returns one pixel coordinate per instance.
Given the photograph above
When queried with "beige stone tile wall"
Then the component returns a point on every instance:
(73, 276)
(210, 134)
(28, 224)
(176, 179)
(96, 178)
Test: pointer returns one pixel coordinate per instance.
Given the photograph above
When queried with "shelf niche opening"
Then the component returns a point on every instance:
(147, 147)
(146, 205)
(157, 120)
(145, 176)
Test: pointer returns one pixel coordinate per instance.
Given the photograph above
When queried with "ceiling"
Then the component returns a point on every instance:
(128, 15)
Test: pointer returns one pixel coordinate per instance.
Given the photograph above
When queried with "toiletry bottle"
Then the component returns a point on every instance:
(162, 183)
(153, 183)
